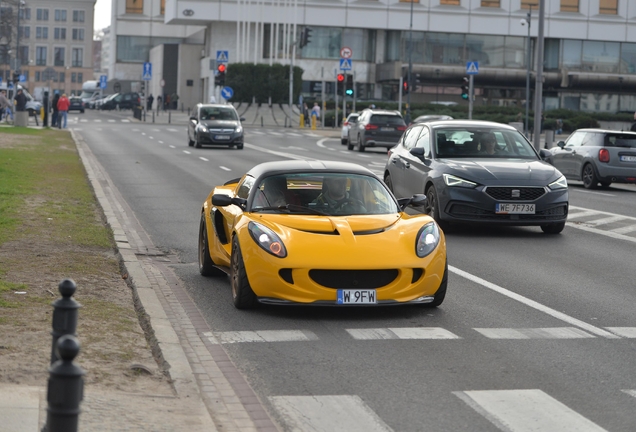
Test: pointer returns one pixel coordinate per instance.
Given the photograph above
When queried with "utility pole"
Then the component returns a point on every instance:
(528, 66)
(538, 86)
(408, 77)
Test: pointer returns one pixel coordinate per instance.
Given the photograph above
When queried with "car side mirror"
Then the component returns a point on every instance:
(242, 119)
(545, 154)
(222, 200)
(417, 152)
(417, 200)
(561, 144)
(194, 119)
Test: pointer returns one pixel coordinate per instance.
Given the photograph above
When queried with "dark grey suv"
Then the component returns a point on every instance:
(596, 156)
(376, 128)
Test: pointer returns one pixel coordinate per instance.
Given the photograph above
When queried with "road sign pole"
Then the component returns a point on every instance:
(335, 96)
(355, 93)
(470, 96)
(344, 96)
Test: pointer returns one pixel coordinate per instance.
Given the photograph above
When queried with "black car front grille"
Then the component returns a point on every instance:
(463, 211)
(515, 193)
(362, 279)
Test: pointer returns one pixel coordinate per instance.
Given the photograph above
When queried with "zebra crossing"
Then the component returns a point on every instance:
(600, 222)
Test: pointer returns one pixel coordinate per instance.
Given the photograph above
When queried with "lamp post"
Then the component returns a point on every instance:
(408, 76)
(538, 82)
(620, 91)
(437, 88)
(527, 21)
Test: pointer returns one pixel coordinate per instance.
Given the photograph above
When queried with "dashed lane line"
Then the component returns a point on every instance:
(225, 168)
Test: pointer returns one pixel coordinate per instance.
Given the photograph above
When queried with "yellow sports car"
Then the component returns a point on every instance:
(320, 233)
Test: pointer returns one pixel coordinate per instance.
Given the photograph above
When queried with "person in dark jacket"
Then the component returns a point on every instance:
(54, 117)
(149, 102)
(20, 101)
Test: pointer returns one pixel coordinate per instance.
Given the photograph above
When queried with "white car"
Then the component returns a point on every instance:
(344, 135)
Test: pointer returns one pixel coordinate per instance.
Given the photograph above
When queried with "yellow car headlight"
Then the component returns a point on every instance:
(427, 239)
(267, 239)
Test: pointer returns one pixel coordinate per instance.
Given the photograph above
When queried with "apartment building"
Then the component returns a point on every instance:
(55, 44)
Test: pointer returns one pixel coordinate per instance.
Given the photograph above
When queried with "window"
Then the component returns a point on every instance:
(42, 15)
(78, 15)
(58, 57)
(162, 7)
(37, 75)
(25, 13)
(25, 32)
(60, 15)
(73, 77)
(569, 5)
(525, 4)
(134, 6)
(80, 77)
(60, 33)
(78, 54)
(411, 138)
(24, 55)
(78, 34)
(491, 3)
(449, 2)
(62, 77)
(424, 141)
(40, 56)
(135, 49)
(41, 32)
(609, 7)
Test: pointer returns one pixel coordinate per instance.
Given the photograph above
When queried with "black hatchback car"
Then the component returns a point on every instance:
(376, 128)
(478, 172)
(76, 104)
(122, 101)
(215, 124)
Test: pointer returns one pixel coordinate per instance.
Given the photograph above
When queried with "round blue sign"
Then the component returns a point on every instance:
(227, 93)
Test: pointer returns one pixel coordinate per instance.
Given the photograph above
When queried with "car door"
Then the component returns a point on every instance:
(417, 167)
(402, 161)
(563, 158)
(354, 130)
(588, 150)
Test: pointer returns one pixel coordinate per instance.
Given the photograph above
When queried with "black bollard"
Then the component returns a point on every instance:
(169, 115)
(64, 314)
(65, 388)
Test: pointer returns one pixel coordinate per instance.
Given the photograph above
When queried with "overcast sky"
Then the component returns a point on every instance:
(102, 14)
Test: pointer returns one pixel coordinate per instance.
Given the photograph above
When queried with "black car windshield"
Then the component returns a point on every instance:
(217, 113)
(618, 140)
(387, 119)
(474, 142)
(333, 194)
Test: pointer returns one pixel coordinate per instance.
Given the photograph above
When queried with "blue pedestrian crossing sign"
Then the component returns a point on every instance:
(472, 68)
(227, 93)
(22, 78)
(345, 64)
(147, 75)
(222, 57)
(103, 81)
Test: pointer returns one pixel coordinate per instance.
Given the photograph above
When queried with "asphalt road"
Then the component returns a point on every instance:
(536, 333)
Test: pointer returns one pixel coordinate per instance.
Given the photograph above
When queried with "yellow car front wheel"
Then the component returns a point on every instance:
(242, 294)
(206, 265)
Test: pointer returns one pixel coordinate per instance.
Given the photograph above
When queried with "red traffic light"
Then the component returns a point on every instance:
(341, 77)
(221, 68)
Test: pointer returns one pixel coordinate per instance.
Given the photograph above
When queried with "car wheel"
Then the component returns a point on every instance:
(190, 142)
(554, 228)
(605, 185)
(206, 265)
(388, 182)
(433, 207)
(439, 296)
(239, 146)
(197, 143)
(360, 146)
(589, 177)
(242, 294)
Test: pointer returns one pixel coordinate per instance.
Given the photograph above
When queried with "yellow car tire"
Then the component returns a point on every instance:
(242, 294)
(441, 291)
(206, 265)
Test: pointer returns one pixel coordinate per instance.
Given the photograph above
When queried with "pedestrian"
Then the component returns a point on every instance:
(56, 112)
(174, 99)
(306, 113)
(20, 101)
(559, 126)
(166, 103)
(5, 106)
(62, 106)
(315, 112)
(149, 102)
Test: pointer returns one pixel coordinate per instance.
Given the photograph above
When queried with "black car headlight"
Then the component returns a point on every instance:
(452, 180)
(561, 183)
(427, 239)
(238, 130)
(202, 128)
(267, 239)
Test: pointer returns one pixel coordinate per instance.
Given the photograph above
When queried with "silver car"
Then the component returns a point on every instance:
(596, 156)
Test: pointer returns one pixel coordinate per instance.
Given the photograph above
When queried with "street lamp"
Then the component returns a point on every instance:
(527, 21)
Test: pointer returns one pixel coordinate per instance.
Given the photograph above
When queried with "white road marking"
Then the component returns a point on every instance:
(203, 159)
(606, 220)
(526, 410)
(328, 414)
(293, 134)
(535, 305)
(593, 193)
(150, 137)
(156, 130)
(257, 132)
(135, 130)
(313, 135)
(364, 156)
(275, 133)
(286, 155)
(625, 229)
(186, 152)
(125, 121)
(111, 121)
(321, 143)
(98, 121)
(626, 332)
(401, 333)
(630, 392)
(160, 142)
(83, 120)
(172, 130)
(582, 214)
(225, 168)
(230, 337)
(171, 146)
(534, 333)
(293, 148)
(143, 133)
(607, 233)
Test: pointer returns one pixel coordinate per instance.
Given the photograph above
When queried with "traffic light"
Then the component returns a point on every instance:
(405, 85)
(341, 78)
(305, 37)
(465, 88)
(219, 79)
(16, 77)
(349, 86)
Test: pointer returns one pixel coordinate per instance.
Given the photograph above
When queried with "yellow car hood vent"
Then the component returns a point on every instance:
(358, 225)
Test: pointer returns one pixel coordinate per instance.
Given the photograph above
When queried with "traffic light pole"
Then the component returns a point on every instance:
(470, 97)
(335, 95)
(344, 96)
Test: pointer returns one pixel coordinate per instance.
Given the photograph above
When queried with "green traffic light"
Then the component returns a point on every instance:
(349, 92)
(464, 96)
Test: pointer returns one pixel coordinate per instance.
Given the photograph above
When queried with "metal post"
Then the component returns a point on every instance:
(65, 388)
(64, 314)
(538, 86)
(291, 80)
(470, 96)
(355, 92)
(408, 77)
(169, 116)
(437, 87)
(400, 94)
(335, 95)
(620, 91)
(344, 97)
(323, 103)
(528, 62)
